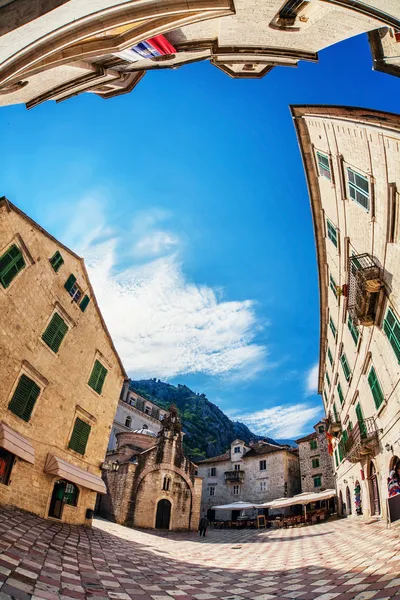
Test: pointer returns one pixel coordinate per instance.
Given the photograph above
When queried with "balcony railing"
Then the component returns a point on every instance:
(362, 440)
(334, 425)
(365, 285)
(234, 476)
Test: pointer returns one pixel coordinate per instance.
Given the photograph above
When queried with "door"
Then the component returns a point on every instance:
(163, 514)
(57, 500)
(376, 505)
(348, 500)
(361, 422)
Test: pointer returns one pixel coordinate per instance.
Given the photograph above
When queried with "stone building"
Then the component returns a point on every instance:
(60, 375)
(257, 473)
(150, 482)
(316, 468)
(352, 162)
(57, 49)
(134, 412)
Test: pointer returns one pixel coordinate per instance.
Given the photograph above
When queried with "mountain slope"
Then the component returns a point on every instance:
(208, 430)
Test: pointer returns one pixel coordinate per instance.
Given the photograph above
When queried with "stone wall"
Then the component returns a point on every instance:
(325, 468)
(26, 307)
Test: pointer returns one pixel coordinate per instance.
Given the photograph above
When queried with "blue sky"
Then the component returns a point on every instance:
(188, 200)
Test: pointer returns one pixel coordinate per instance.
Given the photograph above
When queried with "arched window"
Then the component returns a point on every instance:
(128, 421)
(166, 483)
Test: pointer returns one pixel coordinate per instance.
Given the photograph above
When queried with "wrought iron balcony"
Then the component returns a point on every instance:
(334, 425)
(234, 476)
(365, 285)
(362, 440)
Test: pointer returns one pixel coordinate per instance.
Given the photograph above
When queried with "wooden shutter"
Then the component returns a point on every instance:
(56, 261)
(24, 398)
(84, 303)
(55, 332)
(80, 436)
(70, 282)
(11, 263)
(140, 404)
(97, 377)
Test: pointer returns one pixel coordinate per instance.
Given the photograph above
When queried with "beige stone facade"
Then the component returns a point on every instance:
(57, 49)
(255, 474)
(316, 466)
(155, 485)
(53, 424)
(352, 163)
(135, 412)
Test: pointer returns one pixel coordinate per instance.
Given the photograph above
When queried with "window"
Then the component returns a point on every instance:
(325, 397)
(236, 490)
(332, 326)
(333, 286)
(355, 334)
(24, 398)
(330, 357)
(327, 379)
(6, 465)
(213, 472)
(71, 494)
(167, 483)
(324, 167)
(84, 304)
(315, 463)
(321, 428)
(237, 468)
(80, 436)
(375, 387)
(332, 233)
(128, 421)
(391, 326)
(237, 449)
(340, 393)
(97, 377)
(73, 289)
(147, 410)
(317, 481)
(55, 332)
(358, 188)
(56, 261)
(313, 445)
(211, 491)
(336, 458)
(11, 263)
(263, 486)
(263, 465)
(335, 412)
(345, 366)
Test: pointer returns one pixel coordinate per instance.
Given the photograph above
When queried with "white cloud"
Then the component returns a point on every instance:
(312, 380)
(162, 324)
(288, 421)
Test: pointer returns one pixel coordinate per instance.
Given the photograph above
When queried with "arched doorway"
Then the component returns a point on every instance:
(348, 501)
(393, 462)
(163, 516)
(357, 497)
(340, 507)
(374, 491)
(64, 492)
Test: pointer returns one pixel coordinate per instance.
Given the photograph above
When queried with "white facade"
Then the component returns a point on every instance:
(256, 473)
(135, 412)
(352, 162)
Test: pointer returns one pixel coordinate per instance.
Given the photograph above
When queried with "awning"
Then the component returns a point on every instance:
(62, 468)
(304, 498)
(16, 444)
(234, 506)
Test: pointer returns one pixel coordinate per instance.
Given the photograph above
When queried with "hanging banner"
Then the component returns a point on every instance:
(151, 48)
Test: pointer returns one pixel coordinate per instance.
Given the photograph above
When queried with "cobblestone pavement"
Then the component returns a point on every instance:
(340, 559)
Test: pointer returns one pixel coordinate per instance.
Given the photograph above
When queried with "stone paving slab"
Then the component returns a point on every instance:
(346, 559)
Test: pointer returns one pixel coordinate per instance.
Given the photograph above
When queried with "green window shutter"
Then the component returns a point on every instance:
(332, 326)
(375, 388)
(391, 327)
(325, 397)
(345, 366)
(340, 393)
(313, 444)
(24, 398)
(97, 377)
(315, 463)
(11, 263)
(56, 261)
(55, 332)
(355, 334)
(317, 481)
(70, 282)
(330, 357)
(333, 286)
(84, 303)
(327, 379)
(336, 458)
(335, 412)
(80, 436)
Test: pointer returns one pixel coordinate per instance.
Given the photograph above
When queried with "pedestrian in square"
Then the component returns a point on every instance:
(204, 523)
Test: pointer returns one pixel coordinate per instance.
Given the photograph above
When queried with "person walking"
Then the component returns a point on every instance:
(204, 523)
(394, 480)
